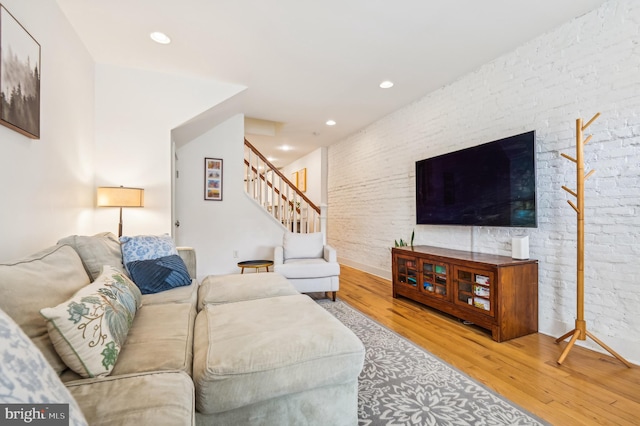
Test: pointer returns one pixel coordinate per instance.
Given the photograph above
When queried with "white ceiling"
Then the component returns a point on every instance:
(304, 62)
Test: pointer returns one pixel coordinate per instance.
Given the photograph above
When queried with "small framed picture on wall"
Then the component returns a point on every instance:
(213, 179)
(302, 180)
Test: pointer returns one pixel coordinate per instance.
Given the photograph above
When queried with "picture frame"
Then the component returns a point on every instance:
(294, 179)
(20, 89)
(213, 179)
(302, 180)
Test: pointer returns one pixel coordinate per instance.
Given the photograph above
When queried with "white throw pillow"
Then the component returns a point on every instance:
(302, 246)
(26, 377)
(89, 329)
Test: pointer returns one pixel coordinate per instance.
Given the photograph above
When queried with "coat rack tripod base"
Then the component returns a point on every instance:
(580, 332)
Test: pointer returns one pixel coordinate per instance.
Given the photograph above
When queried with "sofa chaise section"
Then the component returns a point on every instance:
(276, 360)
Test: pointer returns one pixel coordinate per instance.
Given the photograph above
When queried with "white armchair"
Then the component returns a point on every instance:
(310, 265)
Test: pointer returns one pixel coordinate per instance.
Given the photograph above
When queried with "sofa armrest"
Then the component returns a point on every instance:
(278, 255)
(329, 254)
(188, 254)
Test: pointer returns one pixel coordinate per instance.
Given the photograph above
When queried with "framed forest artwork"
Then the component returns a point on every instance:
(19, 77)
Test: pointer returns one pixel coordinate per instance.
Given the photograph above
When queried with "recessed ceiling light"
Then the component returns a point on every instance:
(386, 84)
(285, 148)
(331, 123)
(159, 37)
(271, 159)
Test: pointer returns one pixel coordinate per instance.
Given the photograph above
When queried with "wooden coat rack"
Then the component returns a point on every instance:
(580, 330)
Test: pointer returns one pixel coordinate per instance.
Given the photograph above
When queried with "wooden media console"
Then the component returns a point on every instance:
(495, 292)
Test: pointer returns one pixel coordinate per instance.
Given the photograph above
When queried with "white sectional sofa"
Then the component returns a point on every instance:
(238, 349)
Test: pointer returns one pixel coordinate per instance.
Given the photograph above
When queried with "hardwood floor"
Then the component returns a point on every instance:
(589, 388)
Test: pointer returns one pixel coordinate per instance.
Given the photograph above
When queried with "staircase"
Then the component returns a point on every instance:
(268, 187)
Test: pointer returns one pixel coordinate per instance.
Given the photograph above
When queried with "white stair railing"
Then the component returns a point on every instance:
(267, 186)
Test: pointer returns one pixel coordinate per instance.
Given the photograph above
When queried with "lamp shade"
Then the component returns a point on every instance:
(119, 196)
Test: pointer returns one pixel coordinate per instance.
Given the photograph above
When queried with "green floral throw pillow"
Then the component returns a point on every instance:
(89, 329)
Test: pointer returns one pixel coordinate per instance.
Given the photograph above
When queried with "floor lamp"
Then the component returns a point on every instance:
(120, 196)
(580, 331)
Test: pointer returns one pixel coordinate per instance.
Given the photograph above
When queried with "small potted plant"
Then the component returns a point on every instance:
(403, 243)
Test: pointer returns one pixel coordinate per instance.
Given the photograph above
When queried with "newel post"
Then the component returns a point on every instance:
(323, 222)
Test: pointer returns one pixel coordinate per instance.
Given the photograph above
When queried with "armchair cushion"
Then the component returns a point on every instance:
(309, 268)
(303, 246)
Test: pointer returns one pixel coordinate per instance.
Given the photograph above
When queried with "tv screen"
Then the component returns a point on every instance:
(493, 184)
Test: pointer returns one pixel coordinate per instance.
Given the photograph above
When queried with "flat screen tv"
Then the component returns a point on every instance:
(493, 184)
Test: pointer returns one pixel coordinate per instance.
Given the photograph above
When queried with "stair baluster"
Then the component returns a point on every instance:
(267, 186)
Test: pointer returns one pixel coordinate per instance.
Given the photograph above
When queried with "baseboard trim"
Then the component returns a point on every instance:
(382, 273)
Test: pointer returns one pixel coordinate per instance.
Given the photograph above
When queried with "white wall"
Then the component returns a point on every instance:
(135, 112)
(587, 65)
(47, 188)
(100, 125)
(313, 163)
(218, 228)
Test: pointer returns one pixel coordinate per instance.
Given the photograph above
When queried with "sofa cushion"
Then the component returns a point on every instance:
(183, 294)
(302, 245)
(26, 376)
(96, 251)
(308, 268)
(165, 398)
(261, 349)
(89, 330)
(161, 274)
(220, 289)
(145, 247)
(43, 279)
(161, 339)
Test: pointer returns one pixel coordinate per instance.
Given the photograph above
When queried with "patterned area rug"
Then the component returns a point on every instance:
(402, 384)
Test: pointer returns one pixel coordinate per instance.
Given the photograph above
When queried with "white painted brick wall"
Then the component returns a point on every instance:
(588, 65)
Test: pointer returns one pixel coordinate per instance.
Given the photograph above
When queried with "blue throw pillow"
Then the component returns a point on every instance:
(145, 247)
(156, 275)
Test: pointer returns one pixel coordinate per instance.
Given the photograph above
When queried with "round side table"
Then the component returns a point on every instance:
(255, 264)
